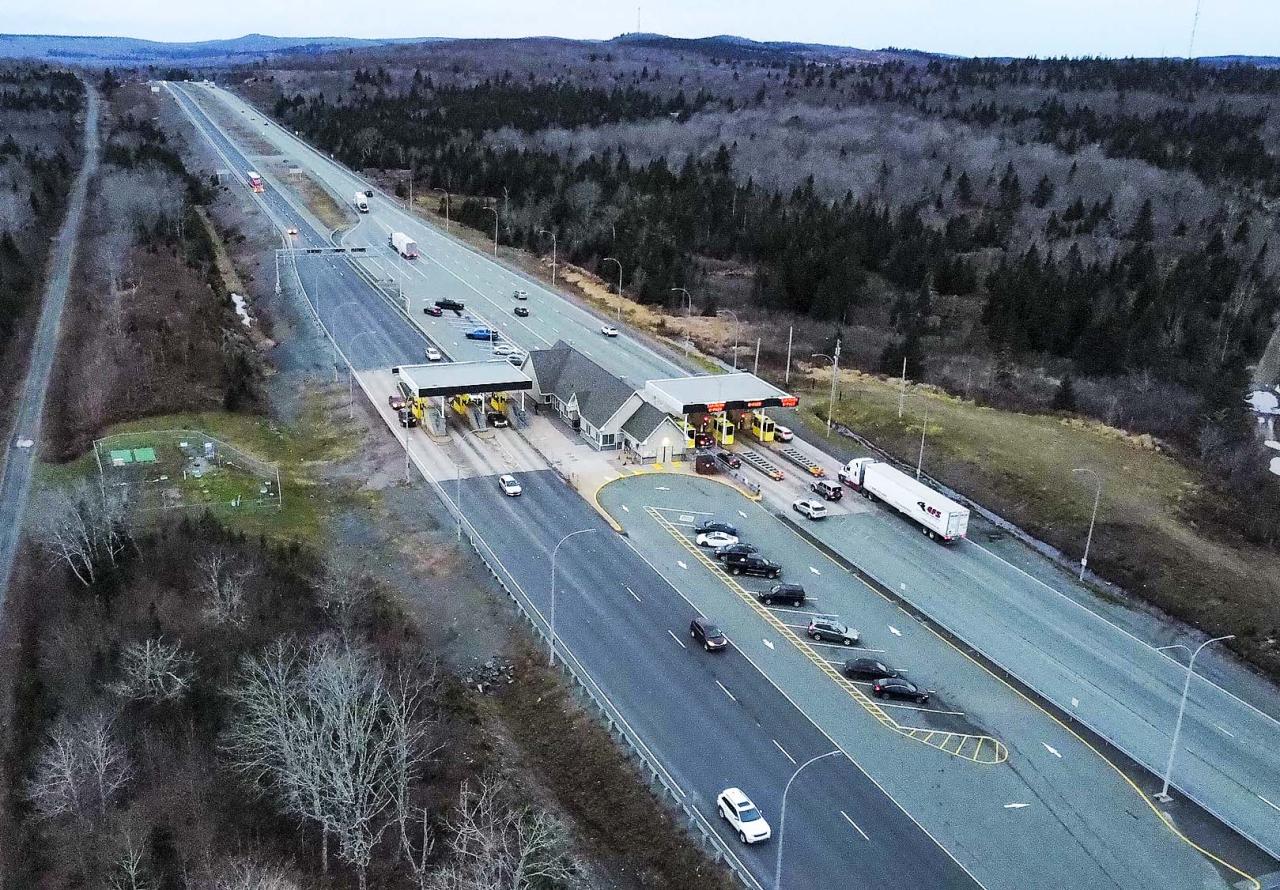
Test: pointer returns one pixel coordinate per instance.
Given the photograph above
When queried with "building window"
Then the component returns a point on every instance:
(608, 440)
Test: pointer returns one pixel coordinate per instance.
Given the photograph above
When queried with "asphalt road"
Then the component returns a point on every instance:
(15, 481)
(713, 719)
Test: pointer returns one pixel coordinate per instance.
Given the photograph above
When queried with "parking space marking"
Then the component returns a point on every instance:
(725, 690)
(1267, 802)
(633, 593)
(784, 752)
(924, 710)
(855, 825)
(1016, 806)
(679, 642)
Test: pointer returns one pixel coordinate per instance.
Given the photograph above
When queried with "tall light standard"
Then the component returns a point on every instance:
(1097, 493)
(1163, 796)
(610, 259)
(445, 192)
(333, 339)
(831, 400)
(351, 388)
(553, 253)
(688, 299)
(737, 328)
(782, 817)
(924, 428)
(494, 211)
(552, 624)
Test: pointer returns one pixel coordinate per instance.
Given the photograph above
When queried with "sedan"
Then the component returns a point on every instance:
(609, 331)
(812, 509)
(828, 630)
(510, 487)
(783, 433)
(741, 814)
(521, 311)
(502, 349)
(397, 401)
(742, 548)
(715, 525)
(716, 539)
(521, 295)
(433, 311)
(896, 687)
(729, 459)
(868, 669)
(705, 632)
(292, 230)
(433, 354)
(498, 420)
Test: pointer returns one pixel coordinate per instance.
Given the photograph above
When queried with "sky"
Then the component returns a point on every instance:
(964, 27)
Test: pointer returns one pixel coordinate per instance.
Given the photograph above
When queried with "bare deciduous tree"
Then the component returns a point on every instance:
(244, 873)
(222, 579)
(154, 671)
(82, 529)
(79, 770)
(344, 590)
(131, 872)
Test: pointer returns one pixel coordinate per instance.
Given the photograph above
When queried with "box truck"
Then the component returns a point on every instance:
(404, 245)
(255, 181)
(938, 516)
(362, 203)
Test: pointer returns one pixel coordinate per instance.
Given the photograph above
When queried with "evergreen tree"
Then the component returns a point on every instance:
(1143, 229)
(1065, 397)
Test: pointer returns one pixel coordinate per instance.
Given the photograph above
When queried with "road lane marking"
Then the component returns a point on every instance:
(1052, 750)
(784, 752)
(854, 824)
(1016, 806)
(767, 643)
(1267, 802)
(680, 562)
(633, 593)
(742, 514)
(893, 630)
(679, 641)
(1224, 730)
(662, 488)
(815, 571)
(686, 518)
(626, 509)
(727, 692)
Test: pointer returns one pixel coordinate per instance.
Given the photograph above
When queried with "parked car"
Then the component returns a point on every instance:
(521, 311)
(521, 294)
(714, 525)
(729, 459)
(812, 509)
(502, 349)
(897, 687)
(743, 817)
(831, 491)
(433, 311)
(447, 303)
(715, 539)
(742, 548)
(481, 334)
(498, 420)
(753, 564)
(433, 354)
(609, 331)
(829, 630)
(868, 669)
(782, 433)
(706, 633)
(510, 487)
(789, 594)
(516, 358)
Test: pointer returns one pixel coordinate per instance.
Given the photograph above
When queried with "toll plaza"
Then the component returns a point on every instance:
(721, 407)
(476, 391)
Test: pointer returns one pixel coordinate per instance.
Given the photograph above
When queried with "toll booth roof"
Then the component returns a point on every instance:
(716, 392)
(455, 378)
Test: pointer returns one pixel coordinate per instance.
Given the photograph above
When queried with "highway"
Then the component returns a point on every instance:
(15, 482)
(457, 271)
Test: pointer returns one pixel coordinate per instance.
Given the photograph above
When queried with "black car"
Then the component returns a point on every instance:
(368, 193)
(729, 459)
(433, 311)
(521, 311)
(498, 420)
(742, 548)
(753, 564)
(788, 594)
(715, 525)
(896, 687)
(869, 669)
(703, 440)
(406, 418)
(706, 633)
(455, 305)
(832, 491)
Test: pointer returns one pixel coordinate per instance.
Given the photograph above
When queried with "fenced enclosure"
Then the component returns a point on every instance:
(185, 469)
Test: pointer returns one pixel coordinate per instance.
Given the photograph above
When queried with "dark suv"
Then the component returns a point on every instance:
(752, 564)
(832, 491)
(447, 303)
(706, 633)
(788, 594)
(742, 548)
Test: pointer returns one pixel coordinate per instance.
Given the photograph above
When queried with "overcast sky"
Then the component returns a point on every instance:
(966, 27)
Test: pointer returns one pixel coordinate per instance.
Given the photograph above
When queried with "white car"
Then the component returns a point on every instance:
(521, 295)
(609, 331)
(812, 509)
(741, 814)
(716, 539)
(503, 349)
(510, 487)
(433, 354)
(782, 433)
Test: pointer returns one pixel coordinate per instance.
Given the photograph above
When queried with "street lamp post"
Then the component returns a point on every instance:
(610, 259)
(835, 362)
(351, 390)
(782, 817)
(553, 253)
(1084, 560)
(552, 623)
(333, 339)
(446, 207)
(1163, 796)
(737, 328)
(494, 211)
(924, 428)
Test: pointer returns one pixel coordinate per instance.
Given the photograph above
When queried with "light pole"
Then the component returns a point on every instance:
(782, 817)
(552, 624)
(688, 299)
(494, 211)
(351, 389)
(924, 428)
(446, 207)
(610, 259)
(333, 339)
(831, 401)
(1084, 560)
(786, 380)
(553, 253)
(737, 328)
(1163, 796)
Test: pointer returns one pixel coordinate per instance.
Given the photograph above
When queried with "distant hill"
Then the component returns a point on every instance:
(204, 53)
(729, 46)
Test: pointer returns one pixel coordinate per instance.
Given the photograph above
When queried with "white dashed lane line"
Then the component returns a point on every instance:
(784, 752)
(854, 824)
(726, 691)
(679, 642)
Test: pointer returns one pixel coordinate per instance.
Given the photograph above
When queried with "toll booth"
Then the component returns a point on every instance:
(498, 401)
(462, 386)
(761, 426)
(690, 434)
(722, 428)
(461, 403)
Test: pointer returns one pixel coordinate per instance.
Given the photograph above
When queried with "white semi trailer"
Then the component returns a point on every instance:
(404, 245)
(362, 203)
(938, 516)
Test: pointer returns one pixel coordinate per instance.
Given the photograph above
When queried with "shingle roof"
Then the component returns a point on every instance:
(565, 372)
(640, 426)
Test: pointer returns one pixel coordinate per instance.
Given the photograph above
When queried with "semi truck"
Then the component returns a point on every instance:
(938, 516)
(362, 203)
(404, 245)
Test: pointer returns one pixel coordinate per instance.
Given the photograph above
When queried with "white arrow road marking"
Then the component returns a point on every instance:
(680, 563)
(728, 693)
(679, 641)
(1016, 806)
(662, 488)
(851, 822)
(767, 643)
(626, 509)
(893, 630)
(744, 516)
(1052, 750)
(684, 518)
(815, 571)
(902, 586)
(1075, 702)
